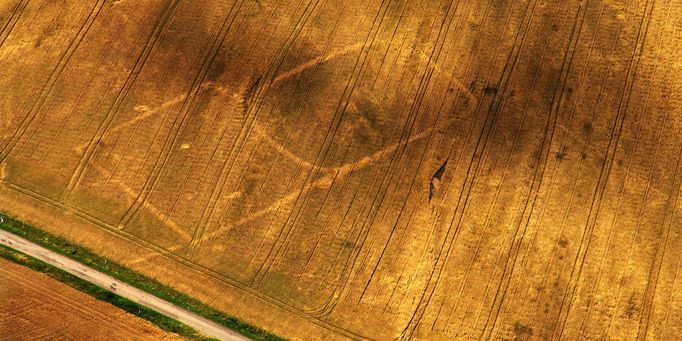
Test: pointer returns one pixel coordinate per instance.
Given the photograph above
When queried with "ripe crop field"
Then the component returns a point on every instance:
(34, 306)
(434, 169)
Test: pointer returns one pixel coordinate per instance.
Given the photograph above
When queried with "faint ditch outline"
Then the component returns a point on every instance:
(146, 112)
(330, 173)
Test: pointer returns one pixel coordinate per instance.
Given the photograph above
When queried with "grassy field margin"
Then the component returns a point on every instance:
(85, 256)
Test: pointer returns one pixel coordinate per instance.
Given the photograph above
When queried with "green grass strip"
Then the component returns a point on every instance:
(87, 257)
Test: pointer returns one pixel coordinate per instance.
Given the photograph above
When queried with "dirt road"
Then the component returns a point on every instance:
(197, 322)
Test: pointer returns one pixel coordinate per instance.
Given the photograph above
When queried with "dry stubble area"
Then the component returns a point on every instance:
(441, 169)
(34, 306)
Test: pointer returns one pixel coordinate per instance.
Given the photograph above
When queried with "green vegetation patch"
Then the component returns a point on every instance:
(123, 274)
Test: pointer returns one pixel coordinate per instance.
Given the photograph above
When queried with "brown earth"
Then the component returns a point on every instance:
(362, 169)
(34, 306)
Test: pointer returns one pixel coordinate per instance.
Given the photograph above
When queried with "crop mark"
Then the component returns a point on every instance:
(247, 124)
(160, 216)
(182, 114)
(4, 173)
(258, 130)
(143, 113)
(282, 238)
(93, 144)
(281, 148)
(316, 61)
(181, 261)
(146, 112)
(323, 182)
(432, 66)
(150, 255)
(339, 171)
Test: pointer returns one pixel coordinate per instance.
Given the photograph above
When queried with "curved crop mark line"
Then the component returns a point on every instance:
(150, 255)
(327, 226)
(160, 216)
(146, 112)
(344, 170)
(317, 61)
(342, 105)
(406, 131)
(257, 95)
(342, 288)
(95, 141)
(180, 120)
(257, 129)
(347, 167)
(244, 130)
(286, 152)
(432, 67)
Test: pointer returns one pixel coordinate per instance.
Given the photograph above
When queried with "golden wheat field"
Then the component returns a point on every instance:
(362, 169)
